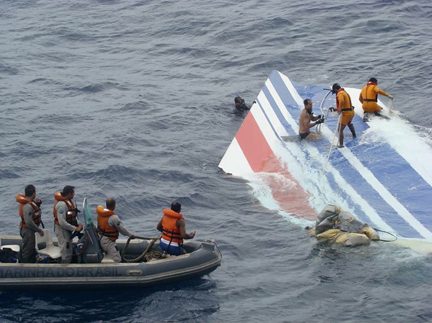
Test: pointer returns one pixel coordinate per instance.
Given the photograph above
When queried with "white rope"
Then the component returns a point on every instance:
(332, 145)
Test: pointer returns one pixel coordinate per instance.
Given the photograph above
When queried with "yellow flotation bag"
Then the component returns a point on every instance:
(371, 233)
(337, 226)
(348, 239)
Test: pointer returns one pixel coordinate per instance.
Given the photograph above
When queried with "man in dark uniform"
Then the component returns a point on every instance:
(30, 213)
(240, 104)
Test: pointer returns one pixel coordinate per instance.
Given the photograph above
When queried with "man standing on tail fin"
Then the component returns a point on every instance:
(369, 98)
(345, 109)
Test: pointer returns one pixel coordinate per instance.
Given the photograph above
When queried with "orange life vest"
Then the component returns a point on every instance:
(369, 93)
(103, 227)
(170, 231)
(21, 199)
(71, 214)
(347, 105)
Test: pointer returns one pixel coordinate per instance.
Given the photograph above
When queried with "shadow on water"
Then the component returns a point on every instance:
(193, 299)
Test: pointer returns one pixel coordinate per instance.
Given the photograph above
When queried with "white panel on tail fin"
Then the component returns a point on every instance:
(234, 161)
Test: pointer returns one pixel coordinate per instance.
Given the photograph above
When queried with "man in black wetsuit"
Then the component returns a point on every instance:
(240, 104)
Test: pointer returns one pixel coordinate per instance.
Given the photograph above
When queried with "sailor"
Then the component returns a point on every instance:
(338, 226)
(240, 104)
(65, 221)
(369, 98)
(109, 227)
(173, 228)
(30, 213)
(305, 121)
(345, 109)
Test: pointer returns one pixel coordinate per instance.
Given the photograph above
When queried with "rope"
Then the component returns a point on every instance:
(332, 145)
(395, 238)
(140, 257)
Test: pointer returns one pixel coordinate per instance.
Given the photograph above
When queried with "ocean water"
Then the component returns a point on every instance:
(135, 100)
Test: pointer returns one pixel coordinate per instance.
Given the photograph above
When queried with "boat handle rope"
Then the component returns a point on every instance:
(140, 257)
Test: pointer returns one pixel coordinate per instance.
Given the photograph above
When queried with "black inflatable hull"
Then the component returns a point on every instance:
(204, 258)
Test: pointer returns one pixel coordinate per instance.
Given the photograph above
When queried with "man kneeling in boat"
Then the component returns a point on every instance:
(173, 228)
(305, 121)
(109, 227)
(341, 227)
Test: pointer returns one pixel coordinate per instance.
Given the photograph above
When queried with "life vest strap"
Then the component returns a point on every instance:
(112, 234)
(168, 231)
(36, 216)
(370, 100)
(172, 237)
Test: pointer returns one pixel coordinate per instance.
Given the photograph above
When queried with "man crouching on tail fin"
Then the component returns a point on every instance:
(173, 228)
(306, 116)
(369, 98)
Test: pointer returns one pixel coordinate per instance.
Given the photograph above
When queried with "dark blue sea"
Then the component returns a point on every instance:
(134, 99)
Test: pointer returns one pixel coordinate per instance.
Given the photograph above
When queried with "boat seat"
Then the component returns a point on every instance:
(14, 247)
(45, 246)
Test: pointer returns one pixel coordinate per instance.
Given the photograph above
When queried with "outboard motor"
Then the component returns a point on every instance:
(88, 247)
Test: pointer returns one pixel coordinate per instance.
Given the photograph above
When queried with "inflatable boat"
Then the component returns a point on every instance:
(144, 265)
(383, 176)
